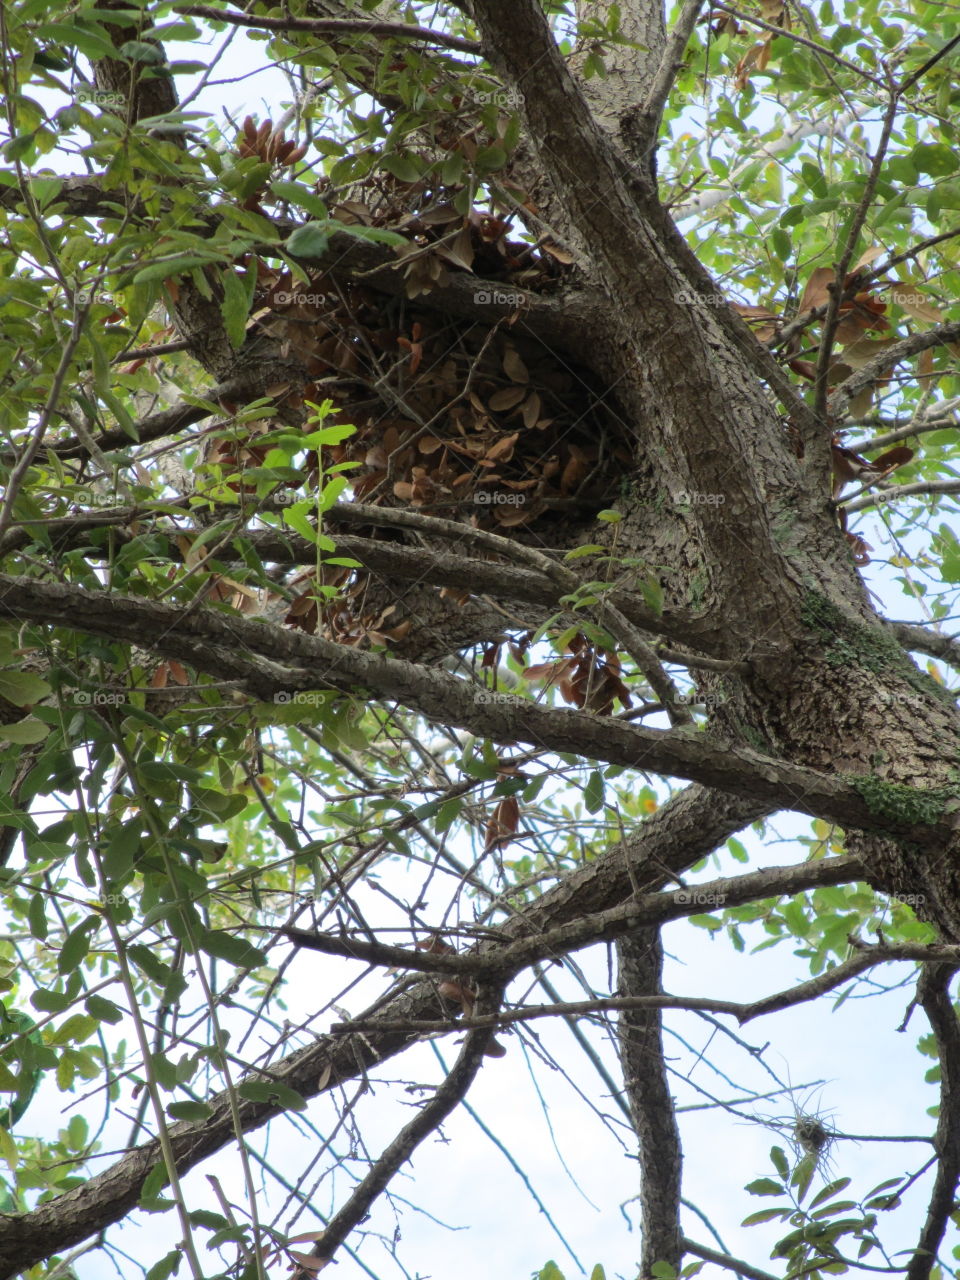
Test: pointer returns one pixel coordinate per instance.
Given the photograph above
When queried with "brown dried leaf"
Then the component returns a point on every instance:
(531, 410)
(914, 303)
(503, 824)
(460, 250)
(159, 678)
(508, 398)
(502, 450)
(554, 250)
(514, 367)
(816, 294)
(925, 369)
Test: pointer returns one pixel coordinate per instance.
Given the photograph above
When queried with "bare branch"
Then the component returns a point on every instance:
(736, 1265)
(333, 27)
(447, 1097)
(876, 497)
(933, 993)
(841, 396)
(919, 639)
(666, 74)
(832, 319)
(640, 973)
(820, 49)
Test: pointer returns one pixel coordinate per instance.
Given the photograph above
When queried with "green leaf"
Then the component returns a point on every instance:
(761, 1215)
(273, 1092)
(593, 792)
(76, 945)
(299, 194)
(401, 166)
(22, 688)
(764, 1187)
(168, 268)
(168, 1265)
(204, 1217)
(141, 51)
(830, 1189)
(163, 1071)
(737, 850)
(935, 158)
(36, 917)
(235, 308)
(310, 240)
(102, 1009)
(448, 813)
(489, 159)
(229, 947)
(652, 593)
(193, 1111)
(77, 1028)
(77, 1131)
(44, 1000)
(25, 732)
(782, 244)
(296, 517)
(550, 1272)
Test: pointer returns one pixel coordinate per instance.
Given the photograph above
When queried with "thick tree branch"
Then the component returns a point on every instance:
(933, 994)
(559, 320)
(267, 661)
(166, 422)
(841, 396)
(829, 980)
(502, 962)
(875, 497)
(333, 27)
(920, 640)
(640, 970)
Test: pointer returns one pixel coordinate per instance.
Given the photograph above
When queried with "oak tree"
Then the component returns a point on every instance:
(433, 527)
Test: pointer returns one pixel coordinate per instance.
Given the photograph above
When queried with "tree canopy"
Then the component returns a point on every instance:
(489, 507)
